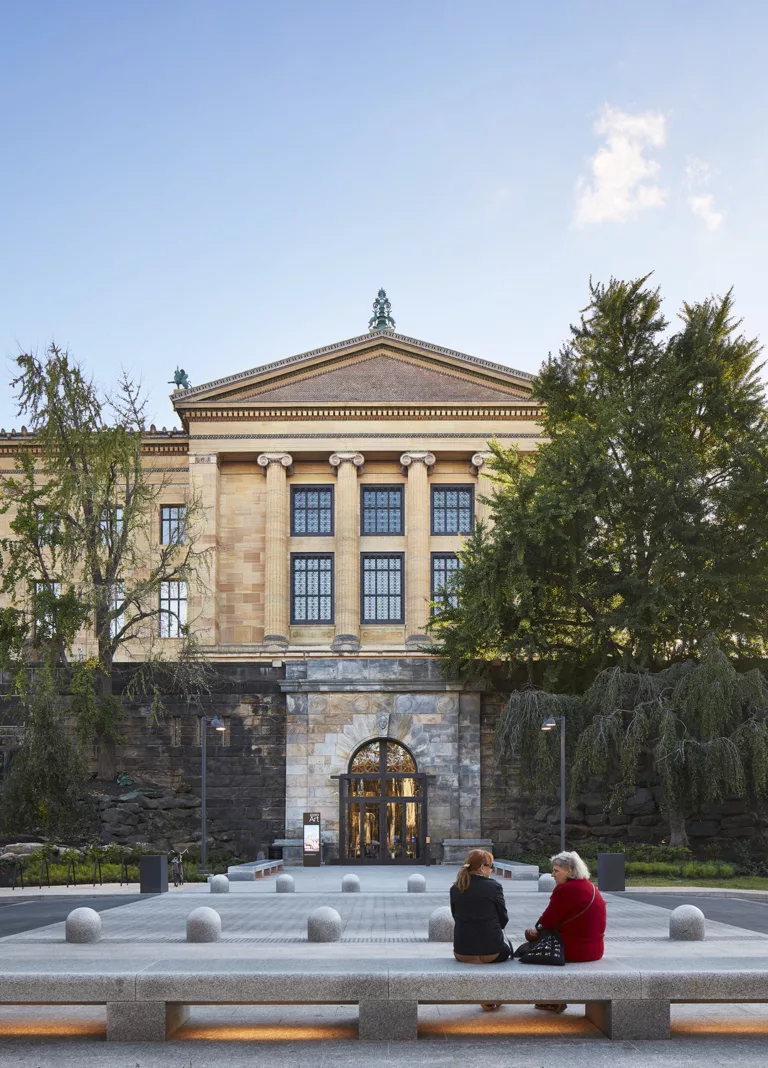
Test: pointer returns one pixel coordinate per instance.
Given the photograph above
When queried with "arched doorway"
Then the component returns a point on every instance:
(382, 806)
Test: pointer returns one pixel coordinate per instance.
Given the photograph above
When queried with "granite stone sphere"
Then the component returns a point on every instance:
(417, 884)
(547, 883)
(83, 925)
(687, 924)
(441, 925)
(203, 925)
(219, 884)
(285, 885)
(324, 925)
(350, 884)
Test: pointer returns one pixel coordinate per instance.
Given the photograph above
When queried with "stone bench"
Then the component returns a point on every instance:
(257, 869)
(512, 869)
(150, 1003)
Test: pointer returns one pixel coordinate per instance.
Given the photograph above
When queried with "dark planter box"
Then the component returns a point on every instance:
(153, 875)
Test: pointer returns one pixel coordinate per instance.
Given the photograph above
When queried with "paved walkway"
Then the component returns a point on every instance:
(152, 929)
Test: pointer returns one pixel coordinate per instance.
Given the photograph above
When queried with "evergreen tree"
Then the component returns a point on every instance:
(629, 557)
(638, 528)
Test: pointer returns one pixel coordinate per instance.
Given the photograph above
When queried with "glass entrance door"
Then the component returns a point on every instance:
(382, 806)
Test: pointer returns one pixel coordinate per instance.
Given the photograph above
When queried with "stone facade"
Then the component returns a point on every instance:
(334, 706)
(299, 695)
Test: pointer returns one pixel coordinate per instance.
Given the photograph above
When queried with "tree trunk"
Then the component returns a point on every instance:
(677, 834)
(105, 741)
(107, 757)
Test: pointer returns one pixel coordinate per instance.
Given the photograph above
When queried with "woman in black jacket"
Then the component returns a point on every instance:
(479, 912)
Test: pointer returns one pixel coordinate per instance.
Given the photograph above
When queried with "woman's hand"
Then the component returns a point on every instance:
(531, 935)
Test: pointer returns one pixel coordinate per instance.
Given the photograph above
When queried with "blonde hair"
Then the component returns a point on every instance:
(476, 858)
(572, 864)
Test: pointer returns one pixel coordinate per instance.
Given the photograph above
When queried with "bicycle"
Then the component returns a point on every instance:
(177, 866)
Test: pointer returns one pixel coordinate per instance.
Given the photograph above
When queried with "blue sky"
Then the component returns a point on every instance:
(222, 185)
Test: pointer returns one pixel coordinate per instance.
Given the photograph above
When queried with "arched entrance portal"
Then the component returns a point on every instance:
(382, 806)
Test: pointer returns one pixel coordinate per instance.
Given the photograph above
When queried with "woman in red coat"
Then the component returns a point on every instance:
(576, 910)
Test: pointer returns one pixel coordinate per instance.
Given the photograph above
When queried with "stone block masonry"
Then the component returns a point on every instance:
(246, 769)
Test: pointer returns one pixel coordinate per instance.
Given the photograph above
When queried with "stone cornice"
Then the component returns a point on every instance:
(155, 443)
(349, 343)
(459, 410)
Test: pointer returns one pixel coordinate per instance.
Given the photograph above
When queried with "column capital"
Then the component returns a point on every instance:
(479, 460)
(284, 459)
(426, 458)
(336, 459)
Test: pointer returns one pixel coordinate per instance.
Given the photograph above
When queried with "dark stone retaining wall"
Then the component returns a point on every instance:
(246, 767)
(247, 776)
(517, 824)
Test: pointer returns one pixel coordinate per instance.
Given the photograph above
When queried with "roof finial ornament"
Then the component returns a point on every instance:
(180, 379)
(381, 319)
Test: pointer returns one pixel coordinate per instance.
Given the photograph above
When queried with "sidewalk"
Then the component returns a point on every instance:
(35, 893)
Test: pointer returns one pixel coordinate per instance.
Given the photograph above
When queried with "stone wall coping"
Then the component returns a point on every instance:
(374, 686)
(470, 843)
(244, 981)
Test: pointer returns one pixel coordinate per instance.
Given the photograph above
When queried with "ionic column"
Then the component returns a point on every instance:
(204, 589)
(417, 528)
(484, 486)
(347, 577)
(276, 570)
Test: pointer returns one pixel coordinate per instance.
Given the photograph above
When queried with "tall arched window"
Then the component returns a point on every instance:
(382, 805)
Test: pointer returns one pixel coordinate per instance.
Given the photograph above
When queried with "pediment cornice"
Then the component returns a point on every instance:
(243, 388)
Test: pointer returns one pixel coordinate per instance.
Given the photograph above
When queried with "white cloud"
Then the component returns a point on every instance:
(622, 174)
(698, 174)
(703, 205)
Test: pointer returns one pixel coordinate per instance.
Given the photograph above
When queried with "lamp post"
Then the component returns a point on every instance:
(549, 724)
(217, 725)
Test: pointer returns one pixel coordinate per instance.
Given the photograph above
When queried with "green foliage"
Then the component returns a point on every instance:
(693, 870)
(700, 727)
(81, 554)
(46, 785)
(638, 527)
(644, 859)
(520, 740)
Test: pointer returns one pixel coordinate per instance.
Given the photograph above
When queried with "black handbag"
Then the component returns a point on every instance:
(549, 948)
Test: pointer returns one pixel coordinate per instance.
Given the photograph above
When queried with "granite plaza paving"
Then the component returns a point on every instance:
(381, 923)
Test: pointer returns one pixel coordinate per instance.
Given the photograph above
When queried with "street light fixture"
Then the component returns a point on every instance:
(218, 725)
(549, 724)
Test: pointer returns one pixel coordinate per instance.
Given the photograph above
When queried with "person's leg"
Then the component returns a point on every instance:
(468, 958)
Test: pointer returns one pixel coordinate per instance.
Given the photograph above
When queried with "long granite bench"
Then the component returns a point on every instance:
(150, 1003)
(256, 869)
(513, 869)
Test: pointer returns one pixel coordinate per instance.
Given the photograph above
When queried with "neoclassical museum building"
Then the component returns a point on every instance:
(336, 487)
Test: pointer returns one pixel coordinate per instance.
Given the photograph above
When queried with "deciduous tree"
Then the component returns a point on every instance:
(80, 552)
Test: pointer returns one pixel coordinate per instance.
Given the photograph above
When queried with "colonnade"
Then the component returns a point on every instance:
(347, 548)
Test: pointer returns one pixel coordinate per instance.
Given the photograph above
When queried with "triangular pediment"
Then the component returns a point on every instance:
(381, 368)
(383, 378)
